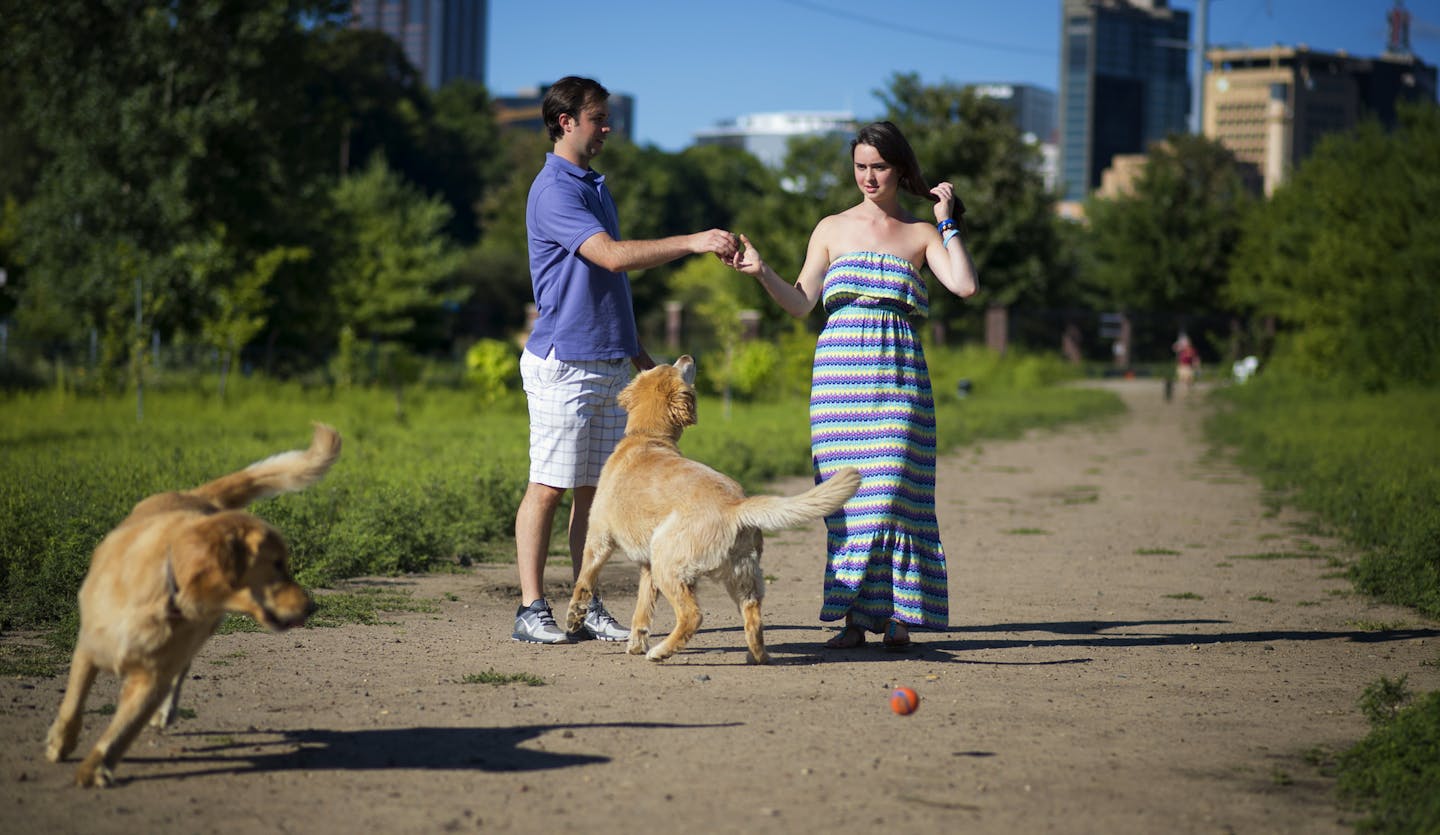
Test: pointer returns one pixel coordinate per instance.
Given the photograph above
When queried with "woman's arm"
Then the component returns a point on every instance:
(946, 253)
(799, 298)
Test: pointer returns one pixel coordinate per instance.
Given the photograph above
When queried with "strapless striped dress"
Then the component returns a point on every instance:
(871, 408)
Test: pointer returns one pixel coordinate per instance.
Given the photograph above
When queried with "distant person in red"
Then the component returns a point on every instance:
(1187, 362)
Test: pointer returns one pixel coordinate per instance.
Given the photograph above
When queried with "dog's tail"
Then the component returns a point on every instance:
(283, 473)
(773, 513)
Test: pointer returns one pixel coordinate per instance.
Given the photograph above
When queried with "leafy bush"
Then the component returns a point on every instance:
(1394, 773)
(755, 368)
(492, 368)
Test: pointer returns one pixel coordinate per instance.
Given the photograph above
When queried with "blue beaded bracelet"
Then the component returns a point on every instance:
(947, 223)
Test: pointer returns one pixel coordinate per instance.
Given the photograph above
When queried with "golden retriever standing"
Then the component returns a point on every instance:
(161, 581)
(681, 520)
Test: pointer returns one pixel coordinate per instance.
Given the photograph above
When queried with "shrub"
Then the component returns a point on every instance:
(492, 369)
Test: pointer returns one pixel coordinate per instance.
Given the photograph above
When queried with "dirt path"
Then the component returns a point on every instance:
(1118, 662)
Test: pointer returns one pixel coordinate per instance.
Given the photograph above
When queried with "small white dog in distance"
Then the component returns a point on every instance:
(681, 520)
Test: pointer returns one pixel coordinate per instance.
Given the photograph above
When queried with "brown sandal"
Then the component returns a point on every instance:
(894, 640)
(849, 637)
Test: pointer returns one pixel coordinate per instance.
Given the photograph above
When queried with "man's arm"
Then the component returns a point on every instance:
(622, 256)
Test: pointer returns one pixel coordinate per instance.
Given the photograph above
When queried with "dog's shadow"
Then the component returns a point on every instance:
(444, 749)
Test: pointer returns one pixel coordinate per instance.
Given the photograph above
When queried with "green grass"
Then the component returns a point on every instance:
(1366, 464)
(1393, 775)
(1185, 595)
(1156, 552)
(1028, 532)
(492, 677)
(432, 489)
(364, 605)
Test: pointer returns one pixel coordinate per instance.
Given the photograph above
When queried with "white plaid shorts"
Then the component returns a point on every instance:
(575, 421)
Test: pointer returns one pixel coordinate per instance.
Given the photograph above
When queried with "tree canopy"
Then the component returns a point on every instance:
(1345, 256)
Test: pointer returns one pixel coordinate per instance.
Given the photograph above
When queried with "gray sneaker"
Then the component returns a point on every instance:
(600, 625)
(536, 624)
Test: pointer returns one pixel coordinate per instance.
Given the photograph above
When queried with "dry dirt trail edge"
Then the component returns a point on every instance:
(1120, 660)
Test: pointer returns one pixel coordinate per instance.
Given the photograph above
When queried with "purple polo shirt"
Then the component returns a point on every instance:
(584, 311)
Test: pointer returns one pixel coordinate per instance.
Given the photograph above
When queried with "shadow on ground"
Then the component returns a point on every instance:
(455, 749)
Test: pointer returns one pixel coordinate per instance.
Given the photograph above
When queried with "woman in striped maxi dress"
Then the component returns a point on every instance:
(870, 402)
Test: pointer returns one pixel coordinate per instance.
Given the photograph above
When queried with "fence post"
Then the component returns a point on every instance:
(997, 328)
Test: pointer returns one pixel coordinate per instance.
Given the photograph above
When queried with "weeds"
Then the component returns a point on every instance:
(492, 677)
(1394, 773)
(1364, 463)
(1382, 700)
(436, 490)
(363, 606)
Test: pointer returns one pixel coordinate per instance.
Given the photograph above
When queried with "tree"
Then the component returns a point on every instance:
(155, 122)
(1167, 246)
(965, 138)
(395, 259)
(465, 153)
(236, 311)
(1345, 256)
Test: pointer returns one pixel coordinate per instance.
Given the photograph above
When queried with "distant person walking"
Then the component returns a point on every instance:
(584, 342)
(1187, 362)
(871, 404)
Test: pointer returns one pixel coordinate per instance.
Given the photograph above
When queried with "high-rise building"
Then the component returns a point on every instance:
(1034, 107)
(1123, 83)
(444, 39)
(768, 135)
(1272, 106)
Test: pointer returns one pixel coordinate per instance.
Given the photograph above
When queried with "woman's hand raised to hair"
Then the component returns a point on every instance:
(944, 194)
(947, 205)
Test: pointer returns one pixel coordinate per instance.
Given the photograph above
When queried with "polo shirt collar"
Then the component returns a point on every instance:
(572, 169)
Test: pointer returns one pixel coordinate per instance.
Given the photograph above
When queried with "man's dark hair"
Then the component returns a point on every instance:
(568, 97)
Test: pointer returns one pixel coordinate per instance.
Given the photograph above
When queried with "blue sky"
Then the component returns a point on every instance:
(692, 64)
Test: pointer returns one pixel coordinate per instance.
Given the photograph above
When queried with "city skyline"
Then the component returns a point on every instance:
(690, 67)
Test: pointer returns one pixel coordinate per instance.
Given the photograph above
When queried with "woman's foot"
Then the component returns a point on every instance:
(849, 637)
(897, 636)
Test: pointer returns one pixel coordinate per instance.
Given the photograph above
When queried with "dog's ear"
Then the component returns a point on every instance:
(207, 562)
(682, 406)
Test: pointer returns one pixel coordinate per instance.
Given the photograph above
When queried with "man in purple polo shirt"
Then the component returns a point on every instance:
(579, 354)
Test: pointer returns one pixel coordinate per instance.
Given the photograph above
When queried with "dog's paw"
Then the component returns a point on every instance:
(763, 658)
(58, 744)
(638, 645)
(659, 653)
(163, 717)
(94, 776)
(575, 618)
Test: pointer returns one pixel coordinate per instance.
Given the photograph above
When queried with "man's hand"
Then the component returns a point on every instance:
(724, 244)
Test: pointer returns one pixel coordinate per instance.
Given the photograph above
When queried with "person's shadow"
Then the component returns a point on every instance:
(954, 643)
(319, 749)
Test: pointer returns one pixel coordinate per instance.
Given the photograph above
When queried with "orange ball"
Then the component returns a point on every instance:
(903, 700)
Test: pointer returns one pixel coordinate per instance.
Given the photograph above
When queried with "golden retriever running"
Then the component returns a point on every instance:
(161, 581)
(681, 520)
